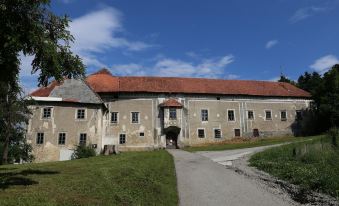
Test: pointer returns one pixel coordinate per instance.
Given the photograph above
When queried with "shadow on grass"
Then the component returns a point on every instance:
(9, 179)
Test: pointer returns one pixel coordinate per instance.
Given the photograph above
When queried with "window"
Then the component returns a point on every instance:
(204, 115)
(122, 139)
(299, 115)
(250, 115)
(201, 133)
(114, 117)
(237, 132)
(47, 112)
(83, 138)
(62, 138)
(40, 138)
(268, 115)
(135, 117)
(81, 114)
(172, 113)
(255, 133)
(217, 133)
(283, 115)
(141, 134)
(231, 115)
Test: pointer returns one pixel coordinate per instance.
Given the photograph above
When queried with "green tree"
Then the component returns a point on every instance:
(283, 78)
(30, 27)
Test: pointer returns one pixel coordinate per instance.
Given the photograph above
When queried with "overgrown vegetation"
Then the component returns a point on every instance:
(244, 143)
(311, 164)
(83, 151)
(133, 178)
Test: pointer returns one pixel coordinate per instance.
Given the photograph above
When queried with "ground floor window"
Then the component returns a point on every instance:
(255, 133)
(217, 133)
(142, 134)
(237, 132)
(283, 115)
(201, 133)
(83, 139)
(122, 139)
(62, 138)
(40, 138)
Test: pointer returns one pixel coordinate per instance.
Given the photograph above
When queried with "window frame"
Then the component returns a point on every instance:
(203, 129)
(80, 140)
(236, 133)
(201, 115)
(138, 117)
(141, 133)
(38, 138)
(43, 113)
(229, 110)
(117, 117)
(281, 118)
(252, 115)
(175, 112)
(64, 138)
(270, 119)
(85, 114)
(214, 129)
(120, 138)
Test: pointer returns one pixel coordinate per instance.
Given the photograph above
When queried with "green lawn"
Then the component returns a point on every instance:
(314, 165)
(246, 143)
(131, 178)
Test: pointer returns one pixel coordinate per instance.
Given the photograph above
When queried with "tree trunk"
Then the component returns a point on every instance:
(5, 151)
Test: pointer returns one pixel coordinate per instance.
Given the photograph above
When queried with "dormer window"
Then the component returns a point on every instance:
(173, 113)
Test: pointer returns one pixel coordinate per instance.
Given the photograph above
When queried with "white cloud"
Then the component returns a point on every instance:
(324, 63)
(304, 13)
(97, 32)
(271, 44)
(209, 68)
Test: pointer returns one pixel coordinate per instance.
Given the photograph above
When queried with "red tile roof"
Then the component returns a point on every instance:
(104, 82)
(45, 91)
(171, 103)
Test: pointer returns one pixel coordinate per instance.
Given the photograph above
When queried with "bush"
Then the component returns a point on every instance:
(333, 134)
(83, 151)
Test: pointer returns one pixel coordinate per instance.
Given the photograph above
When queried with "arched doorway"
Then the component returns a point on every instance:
(172, 137)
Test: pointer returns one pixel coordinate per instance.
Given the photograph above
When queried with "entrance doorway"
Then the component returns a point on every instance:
(171, 140)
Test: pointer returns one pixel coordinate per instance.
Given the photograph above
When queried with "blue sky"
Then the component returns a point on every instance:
(198, 38)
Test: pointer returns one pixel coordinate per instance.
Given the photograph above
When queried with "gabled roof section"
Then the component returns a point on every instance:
(69, 90)
(171, 103)
(103, 82)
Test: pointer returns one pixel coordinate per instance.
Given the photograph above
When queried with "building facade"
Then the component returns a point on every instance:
(146, 113)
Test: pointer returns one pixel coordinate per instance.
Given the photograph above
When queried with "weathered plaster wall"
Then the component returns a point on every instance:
(63, 120)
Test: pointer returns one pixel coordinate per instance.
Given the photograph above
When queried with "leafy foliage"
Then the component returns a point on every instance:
(283, 78)
(83, 151)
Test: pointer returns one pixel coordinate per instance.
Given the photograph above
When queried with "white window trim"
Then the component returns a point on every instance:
(138, 118)
(208, 115)
(65, 139)
(76, 114)
(235, 119)
(268, 110)
(110, 117)
(198, 133)
(286, 115)
(253, 115)
(214, 133)
(125, 138)
(42, 113)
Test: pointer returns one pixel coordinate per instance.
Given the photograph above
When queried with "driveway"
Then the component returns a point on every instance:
(205, 179)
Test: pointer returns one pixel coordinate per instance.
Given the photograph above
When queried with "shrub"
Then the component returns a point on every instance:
(83, 151)
(333, 134)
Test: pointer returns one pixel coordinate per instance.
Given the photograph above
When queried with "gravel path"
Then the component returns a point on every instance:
(224, 178)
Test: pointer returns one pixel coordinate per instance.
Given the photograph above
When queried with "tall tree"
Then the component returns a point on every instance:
(283, 78)
(30, 27)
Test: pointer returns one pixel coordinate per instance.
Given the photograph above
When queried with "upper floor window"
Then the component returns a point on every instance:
(201, 133)
(114, 117)
(62, 138)
(204, 115)
(40, 138)
(83, 138)
(172, 113)
(47, 112)
(250, 115)
(217, 133)
(122, 139)
(298, 115)
(135, 117)
(283, 115)
(268, 115)
(231, 116)
(81, 114)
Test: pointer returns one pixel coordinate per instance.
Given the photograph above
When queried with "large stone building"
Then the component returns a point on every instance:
(144, 113)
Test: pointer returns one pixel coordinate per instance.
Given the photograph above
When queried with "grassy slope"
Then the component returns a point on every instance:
(133, 178)
(312, 164)
(245, 144)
